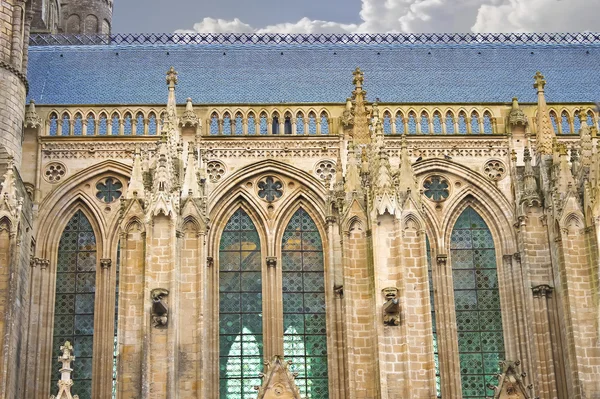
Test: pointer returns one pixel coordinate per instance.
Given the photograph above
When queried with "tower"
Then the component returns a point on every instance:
(86, 16)
(13, 80)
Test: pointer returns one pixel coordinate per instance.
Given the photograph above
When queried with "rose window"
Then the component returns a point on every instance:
(270, 189)
(436, 188)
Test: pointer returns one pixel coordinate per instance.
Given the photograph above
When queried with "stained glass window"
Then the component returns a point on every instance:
(462, 123)
(449, 123)
(412, 123)
(475, 123)
(399, 123)
(564, 123)
(487, 123)
(109, 190)
(240, 308)
(90, 125)
(305, 335)
(437, 123)
(387, 124)
(251, 124)
(477, 304)
(424, 123)
(436, 188)
(438, 382)
(74, 301)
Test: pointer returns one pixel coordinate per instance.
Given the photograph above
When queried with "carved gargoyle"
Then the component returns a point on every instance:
(391, 307)
(160, 311)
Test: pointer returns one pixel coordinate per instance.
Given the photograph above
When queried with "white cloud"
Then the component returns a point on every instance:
(538, 16)
(380, 16)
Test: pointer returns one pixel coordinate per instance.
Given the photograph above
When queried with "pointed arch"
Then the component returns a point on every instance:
(477, 302)
(240, 306)
(304, 303)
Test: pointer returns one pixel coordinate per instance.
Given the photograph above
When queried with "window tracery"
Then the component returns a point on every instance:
(109, 190)
(74, 299)
(436, 188)
(477, 303)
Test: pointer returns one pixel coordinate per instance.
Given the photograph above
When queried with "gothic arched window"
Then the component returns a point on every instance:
(462, 123)
(437, 123)
(139, 124)
(263, 124)
(477, 303)
(66, 125)
(103, 125)
(299, 123)
(312, 123)
(275, 123)
(251, 124)
(564, 123)
(74, 300)
(324, 123)
(412, 123)
(449, 123)
(590, 119)
(399, 123)
(287, 124)
(239, 124)
(387, 123)
(487, 123)
(127, 125)
(214, 124)
(227, 124)
(475, 123)
(305, 337)
(554, 121)
(240, 308)
(90, 125)
(424, 123)
(577, 123)
(152, 125)
(114, 124)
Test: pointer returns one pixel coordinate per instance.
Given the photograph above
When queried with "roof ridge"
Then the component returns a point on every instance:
(407, 39)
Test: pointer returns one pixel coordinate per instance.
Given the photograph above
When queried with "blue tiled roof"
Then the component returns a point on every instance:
(313, 73)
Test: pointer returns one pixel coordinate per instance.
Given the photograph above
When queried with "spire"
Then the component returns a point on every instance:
(135, 188)
(171, 83)
(190, 182)
(545, 132)
(565, 180)
(358, 115)
(517, 117)
(65, 383)
(32, 119)
(530, 187)
(189, 119)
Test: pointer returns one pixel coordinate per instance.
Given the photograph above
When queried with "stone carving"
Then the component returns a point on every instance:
(32, 119)
(94, 149)
(391, 307)
(65, 383)
(495, 170)
(517, 117)
(271, 261)
(543, 290)
(189, 118)
(215, 170)
(160, 311)
(54, 172)
(325, 169)
(510, 382)
(278, 381)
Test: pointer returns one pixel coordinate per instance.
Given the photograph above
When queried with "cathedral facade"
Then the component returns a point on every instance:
(232, 216)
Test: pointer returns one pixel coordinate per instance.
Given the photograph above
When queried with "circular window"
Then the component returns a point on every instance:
(270, 189)
(436, 188)
(215, 171)
(54, 172)
(494, 170)
(109, 190)
(325, 169)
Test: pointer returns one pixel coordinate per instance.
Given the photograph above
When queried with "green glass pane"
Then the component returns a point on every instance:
(291, 261)
(312, 261)
(292, 241)
(315, 324)
(251, 260)
(295, 321)
(314, 282)
(229, 281)
(229, 261)
(230, 241)
(230, 324)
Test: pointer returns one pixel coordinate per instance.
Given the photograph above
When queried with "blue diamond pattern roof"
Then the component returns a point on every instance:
(223, 73)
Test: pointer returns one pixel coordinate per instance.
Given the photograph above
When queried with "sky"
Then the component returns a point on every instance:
(355, 16)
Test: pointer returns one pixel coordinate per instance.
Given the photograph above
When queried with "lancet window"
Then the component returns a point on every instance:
(299, 123)
(251, 124)
(577, 122)
(437, 123)
(74, 299)
(564, 123)
(554, 121)
(475, 123)
(424, 123)
(462, 123)
(477, 303)
(399, 123)
(412, 123)
(324, 123)
(387, 123)
(103, 125)
(90, 125)
(450, 123)
(487, 123)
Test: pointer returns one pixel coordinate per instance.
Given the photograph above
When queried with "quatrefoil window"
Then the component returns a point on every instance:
(436, 188)
(270, 189)
(109, 190)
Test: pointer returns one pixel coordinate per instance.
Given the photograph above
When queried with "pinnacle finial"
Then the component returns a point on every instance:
(359, 78)
(171, 78)
(540, 82)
